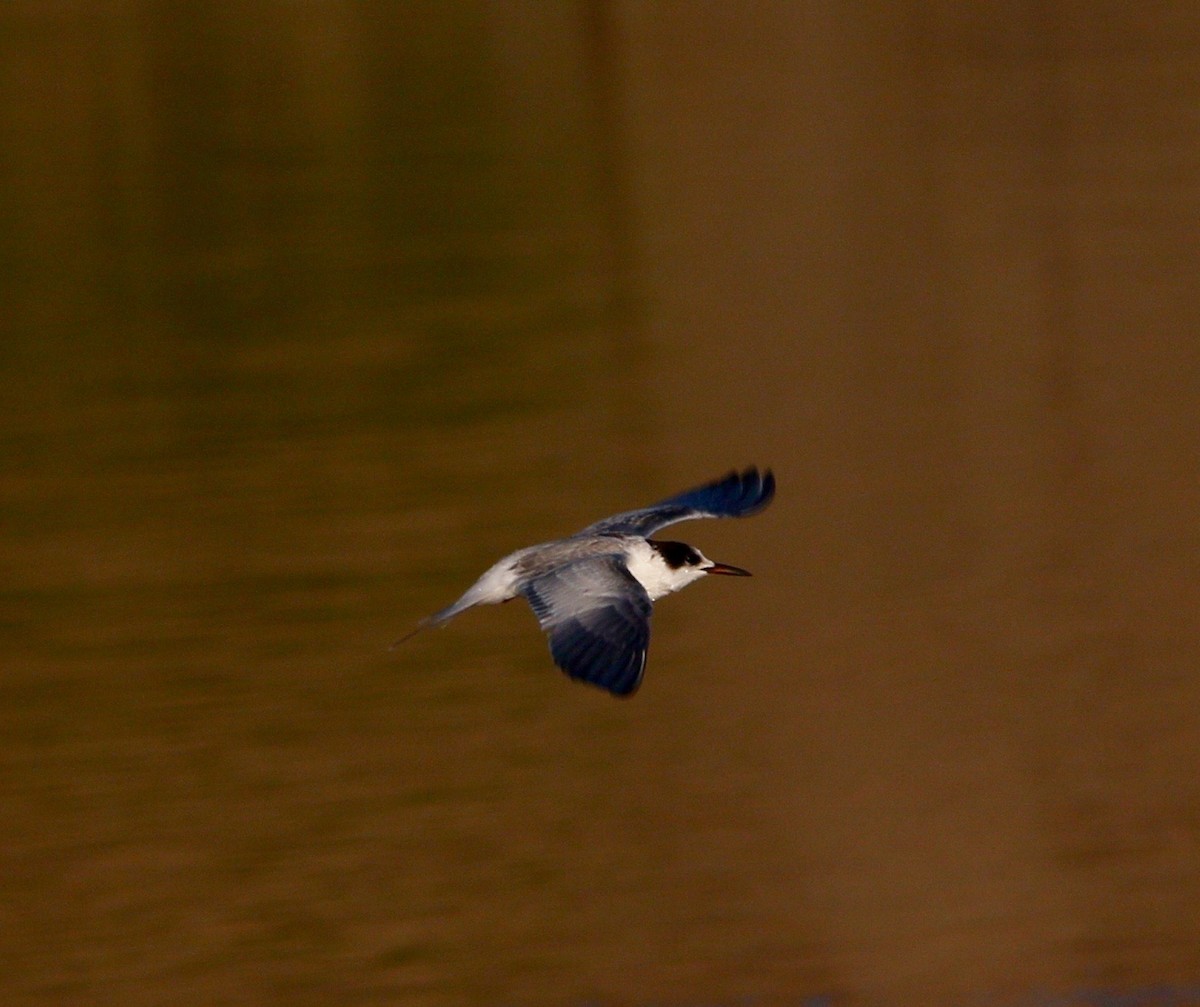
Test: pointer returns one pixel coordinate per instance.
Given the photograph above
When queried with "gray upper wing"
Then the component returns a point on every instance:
(738, 494)
(597, 617)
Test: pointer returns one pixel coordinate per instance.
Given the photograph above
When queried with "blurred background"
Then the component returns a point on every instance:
(309, 311)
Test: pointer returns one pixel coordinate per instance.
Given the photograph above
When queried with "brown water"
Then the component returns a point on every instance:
(313, 311)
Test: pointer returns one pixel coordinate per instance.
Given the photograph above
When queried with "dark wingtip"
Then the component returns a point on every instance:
(758, 490)
(768, 486)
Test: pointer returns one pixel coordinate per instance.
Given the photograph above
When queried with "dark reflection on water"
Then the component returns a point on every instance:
(313, 312)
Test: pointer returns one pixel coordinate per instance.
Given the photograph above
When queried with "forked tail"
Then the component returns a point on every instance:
(423, 624)
(437, 619)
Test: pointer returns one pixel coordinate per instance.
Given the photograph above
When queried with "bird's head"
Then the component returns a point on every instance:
(685, 564)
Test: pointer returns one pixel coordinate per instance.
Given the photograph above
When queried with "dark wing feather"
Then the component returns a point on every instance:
(738, 494)
(597, 617)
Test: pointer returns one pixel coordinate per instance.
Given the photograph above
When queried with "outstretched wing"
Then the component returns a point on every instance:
(738, 494)
(598, 620)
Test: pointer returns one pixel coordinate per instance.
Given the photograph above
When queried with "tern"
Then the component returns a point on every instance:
(592, 592)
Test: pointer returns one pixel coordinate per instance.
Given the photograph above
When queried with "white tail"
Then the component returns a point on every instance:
(494, 587)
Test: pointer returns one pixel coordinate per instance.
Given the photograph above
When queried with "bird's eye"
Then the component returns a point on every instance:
(693, 559)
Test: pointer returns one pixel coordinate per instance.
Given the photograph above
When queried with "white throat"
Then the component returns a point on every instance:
(654, 574)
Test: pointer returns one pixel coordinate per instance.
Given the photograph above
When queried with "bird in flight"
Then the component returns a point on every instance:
(592, 592)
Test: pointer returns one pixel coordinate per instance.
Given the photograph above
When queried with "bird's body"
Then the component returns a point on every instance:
(592, 592)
